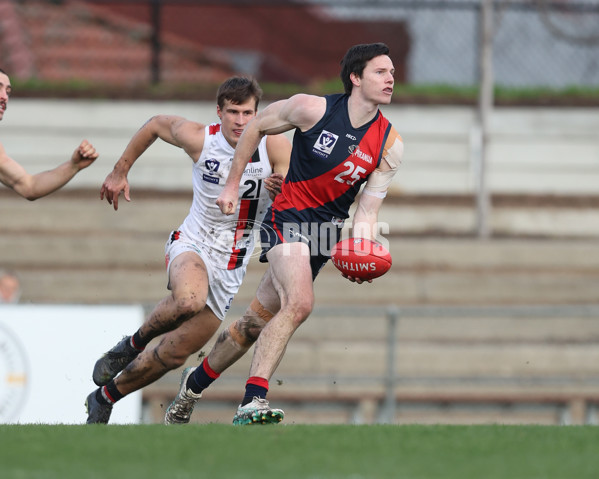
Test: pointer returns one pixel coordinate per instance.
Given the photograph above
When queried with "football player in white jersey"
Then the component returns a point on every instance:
(313, 197)
(207, 255)
(32, 187)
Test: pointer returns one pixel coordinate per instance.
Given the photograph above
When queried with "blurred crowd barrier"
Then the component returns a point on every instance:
(531, 151)
(449, 364)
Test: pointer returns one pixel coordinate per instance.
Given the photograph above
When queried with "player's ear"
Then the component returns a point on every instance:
(219, 112)
(355, 78)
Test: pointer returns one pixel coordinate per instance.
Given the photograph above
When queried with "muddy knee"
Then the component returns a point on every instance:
(188, 307)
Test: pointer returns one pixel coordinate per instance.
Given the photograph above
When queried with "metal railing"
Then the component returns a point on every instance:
(548, 393)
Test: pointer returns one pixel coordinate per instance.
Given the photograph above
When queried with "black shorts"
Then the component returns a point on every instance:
(285, 227)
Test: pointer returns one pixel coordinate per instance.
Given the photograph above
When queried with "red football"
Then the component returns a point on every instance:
(361, 258)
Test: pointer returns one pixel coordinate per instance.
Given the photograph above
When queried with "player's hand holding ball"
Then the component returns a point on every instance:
(361, 259)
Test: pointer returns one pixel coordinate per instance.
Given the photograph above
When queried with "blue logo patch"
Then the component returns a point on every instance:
(212, 165)
(326, 142)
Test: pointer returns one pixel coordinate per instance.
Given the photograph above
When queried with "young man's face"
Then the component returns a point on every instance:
(377, 80)
(234, 119)
(5, 90)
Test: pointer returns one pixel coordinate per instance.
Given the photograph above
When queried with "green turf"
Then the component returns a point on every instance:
(298, 451)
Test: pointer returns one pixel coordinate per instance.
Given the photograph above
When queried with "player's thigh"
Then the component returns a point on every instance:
(291, 273)
(190, 336)
(188, 275)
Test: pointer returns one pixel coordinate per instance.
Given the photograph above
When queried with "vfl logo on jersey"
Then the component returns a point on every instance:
(212, 166)
(354, 150)
(325, 142)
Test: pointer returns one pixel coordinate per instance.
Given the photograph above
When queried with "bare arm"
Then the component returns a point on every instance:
(279, 152)
(365, 223)
(175, 130)
(375, 190)
(32, 187)
(299, 111)
(365, 219)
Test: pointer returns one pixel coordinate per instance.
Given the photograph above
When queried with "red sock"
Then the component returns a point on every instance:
(255, 387)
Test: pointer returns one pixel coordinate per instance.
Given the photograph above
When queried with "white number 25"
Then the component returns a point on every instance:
(352, 171)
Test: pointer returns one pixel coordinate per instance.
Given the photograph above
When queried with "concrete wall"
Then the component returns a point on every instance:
(531, 151)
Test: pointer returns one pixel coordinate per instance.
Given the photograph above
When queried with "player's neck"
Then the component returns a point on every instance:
(360, 111)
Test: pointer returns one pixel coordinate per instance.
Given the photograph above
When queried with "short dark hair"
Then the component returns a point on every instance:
(238, 90)
(2, 71)
(355, 61)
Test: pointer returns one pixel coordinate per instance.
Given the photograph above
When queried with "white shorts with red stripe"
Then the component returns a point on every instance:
(223, 283)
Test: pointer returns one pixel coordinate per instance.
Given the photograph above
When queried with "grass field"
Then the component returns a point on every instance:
(298, 451)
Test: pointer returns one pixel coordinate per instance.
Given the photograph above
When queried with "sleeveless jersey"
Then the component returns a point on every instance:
(329, 163)
(229, 240)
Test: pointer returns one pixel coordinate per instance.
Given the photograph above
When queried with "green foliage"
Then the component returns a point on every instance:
(298, 451)
(404, 93)
(540, 96)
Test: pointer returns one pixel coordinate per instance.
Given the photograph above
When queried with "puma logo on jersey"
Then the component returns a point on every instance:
(354, 150)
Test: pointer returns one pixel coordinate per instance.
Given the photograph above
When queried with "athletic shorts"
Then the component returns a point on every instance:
(223, 283)
(281, 227)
